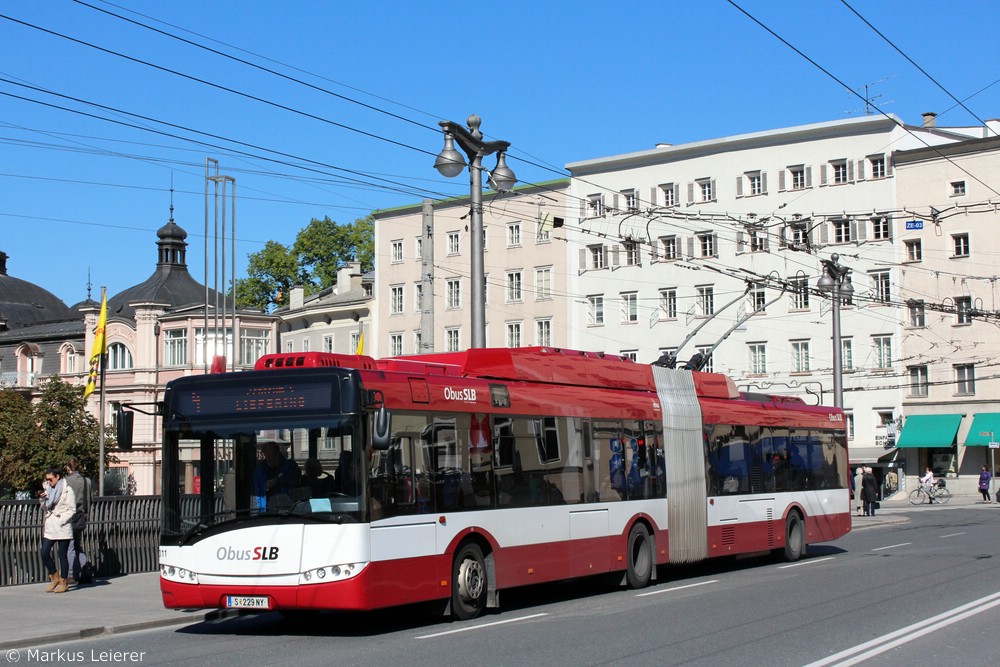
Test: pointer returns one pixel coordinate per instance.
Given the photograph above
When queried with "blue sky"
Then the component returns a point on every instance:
(562, 81)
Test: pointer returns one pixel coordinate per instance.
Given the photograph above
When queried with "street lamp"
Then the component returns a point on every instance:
(450, 163)
(837, 281)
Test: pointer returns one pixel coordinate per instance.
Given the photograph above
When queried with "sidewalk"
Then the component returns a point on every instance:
(107, 606)
(132, 602)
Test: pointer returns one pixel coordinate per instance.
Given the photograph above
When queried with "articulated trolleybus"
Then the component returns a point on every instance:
(343, 482)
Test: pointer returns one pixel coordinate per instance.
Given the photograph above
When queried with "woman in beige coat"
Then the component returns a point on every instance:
(59, 504)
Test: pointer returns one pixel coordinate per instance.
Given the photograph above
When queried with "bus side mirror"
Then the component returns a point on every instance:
(381, 438)
(124, 420)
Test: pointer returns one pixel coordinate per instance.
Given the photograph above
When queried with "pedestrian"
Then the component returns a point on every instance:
(928, 481)
(869, 491)
(80, 570)
(858, 500)
(984, 484)
(59, 505)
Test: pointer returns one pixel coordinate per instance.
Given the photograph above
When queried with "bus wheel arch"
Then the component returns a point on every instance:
(473, 579)
(639, 553)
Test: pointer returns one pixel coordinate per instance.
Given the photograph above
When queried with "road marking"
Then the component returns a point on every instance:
(480, 627)
(951, 535)
(870, 649)
(893, 546)
(806, 562)
(677, 588)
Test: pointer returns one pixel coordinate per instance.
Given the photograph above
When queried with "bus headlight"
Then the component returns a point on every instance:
(179, 575)
(330, 573)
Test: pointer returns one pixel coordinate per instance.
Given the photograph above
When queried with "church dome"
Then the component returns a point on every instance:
(23, 303)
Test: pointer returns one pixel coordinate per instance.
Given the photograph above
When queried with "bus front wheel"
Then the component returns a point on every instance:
(795, 537)
(468, 582)
(640, 557)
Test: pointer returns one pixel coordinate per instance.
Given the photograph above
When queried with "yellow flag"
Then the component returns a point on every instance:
(100, 347)
(361, 339)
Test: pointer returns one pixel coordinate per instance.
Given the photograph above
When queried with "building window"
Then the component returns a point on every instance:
(397, 251)
(595, 310)
(798, 235)
(706, 352)
(914, 251)
(119, 357)
(706, 242)
(800, 292)
(598, 256)
(175, 347)
(631, 200)
(513, 334)
(797, 175)
(917, 317)
(218, 344)
(758, 240)
(595, 206)
(963, 310)
(960, 242)
(254, 344)
(514, 287)
(395, 344)
(919, 385)
(883, 351)
(543, 283)
(543, 332)
(758, 297)
(849, 424)
(877, 164)
(847, 355)
(800, 356)
(396, 299)
(881, 228)
(289, 347)
(842, 231)
(957, 188)
(418, 297)
(669, 195)
(758, 358)
(706, 299)
(630, 307)
(418, 342)
(880, 286)
(707, 188)
(668, 247)
(668, 303)
(453, 293)
(453, 243)
(631, 253)
(419, 248)
(452, 340)
(328, 344)
(965, 379)
(513, 234)
(755, 183)
(840, 172)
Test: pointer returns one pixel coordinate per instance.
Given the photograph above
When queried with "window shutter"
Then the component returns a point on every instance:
(822, 175)
(783, 238)
(614, 255)
(583, 208)
(614, 202)
(652, 196)
(809, 177)
(690, 193)
(583, 259)
(715, 245)
(850, 171)
(677, 194)
(741, 242)
(715, 192)
(763, 182)
(781, 181)
(739, 186)
(824, 235)
(690, 246)
(765, 242)
(857, 230)
(890, 228)
(861, 170)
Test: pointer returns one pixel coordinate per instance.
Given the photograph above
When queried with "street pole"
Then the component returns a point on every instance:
(450, 163)
(834, 280)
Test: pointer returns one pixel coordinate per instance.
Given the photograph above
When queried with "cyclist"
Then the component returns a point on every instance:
(928, 481)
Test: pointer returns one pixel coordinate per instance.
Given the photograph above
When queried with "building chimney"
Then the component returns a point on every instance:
(929, 117)
(296, 297)
(349, 277)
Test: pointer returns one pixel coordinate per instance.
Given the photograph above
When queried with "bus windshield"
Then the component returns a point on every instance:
(309, 469)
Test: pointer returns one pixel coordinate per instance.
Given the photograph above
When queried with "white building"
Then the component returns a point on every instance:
(668, 239)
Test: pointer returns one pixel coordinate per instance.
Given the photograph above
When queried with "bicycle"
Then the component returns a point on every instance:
(936, 494)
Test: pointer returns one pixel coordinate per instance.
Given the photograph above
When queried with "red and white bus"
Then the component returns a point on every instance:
(454, 476)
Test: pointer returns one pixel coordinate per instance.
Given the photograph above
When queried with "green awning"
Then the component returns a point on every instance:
(929, 431)
(984, 422)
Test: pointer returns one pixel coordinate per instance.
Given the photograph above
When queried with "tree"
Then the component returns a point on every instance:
(35, 437)
(320, 250)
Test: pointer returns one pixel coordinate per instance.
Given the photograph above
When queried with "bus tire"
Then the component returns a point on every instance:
(640, 557)
(468, 582)
(795, 537)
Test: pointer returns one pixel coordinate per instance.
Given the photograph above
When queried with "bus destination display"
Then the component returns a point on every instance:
(230, 399)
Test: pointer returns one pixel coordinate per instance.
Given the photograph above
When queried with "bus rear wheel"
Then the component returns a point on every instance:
(640, 557)
(468, 583)
(795, 537)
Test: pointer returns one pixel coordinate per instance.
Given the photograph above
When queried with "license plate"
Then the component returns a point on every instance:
(246, 602)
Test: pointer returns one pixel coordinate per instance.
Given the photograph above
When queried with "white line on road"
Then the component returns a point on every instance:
(951, 535)
(480, 627)
(893, 546)
(806, 562)
(677, 588)
(870, 649)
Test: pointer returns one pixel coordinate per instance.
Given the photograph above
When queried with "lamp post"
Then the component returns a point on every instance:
(450, 163)
(837, 282)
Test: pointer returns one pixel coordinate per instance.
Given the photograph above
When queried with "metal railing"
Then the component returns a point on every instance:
(121, 537)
